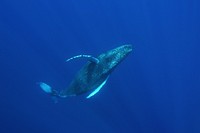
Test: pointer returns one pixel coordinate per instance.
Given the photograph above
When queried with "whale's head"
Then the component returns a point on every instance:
(110, 59)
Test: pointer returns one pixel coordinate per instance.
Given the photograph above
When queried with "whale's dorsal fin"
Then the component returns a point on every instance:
(98, 88)
(90, 57)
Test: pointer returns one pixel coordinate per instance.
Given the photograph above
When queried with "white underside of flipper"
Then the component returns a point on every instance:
(90, 57)
(98, 88)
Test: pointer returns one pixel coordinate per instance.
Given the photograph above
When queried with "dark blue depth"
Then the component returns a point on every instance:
(156, 89)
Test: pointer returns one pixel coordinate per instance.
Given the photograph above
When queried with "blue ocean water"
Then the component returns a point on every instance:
(156, 89)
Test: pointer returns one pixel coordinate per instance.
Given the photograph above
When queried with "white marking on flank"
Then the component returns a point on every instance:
(98, 88)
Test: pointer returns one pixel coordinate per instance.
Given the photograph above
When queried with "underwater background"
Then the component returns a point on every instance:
(156, 89)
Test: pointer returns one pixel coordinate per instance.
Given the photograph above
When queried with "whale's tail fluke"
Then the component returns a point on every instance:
(48, 89)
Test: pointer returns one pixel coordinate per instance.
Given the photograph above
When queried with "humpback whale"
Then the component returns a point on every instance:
(93, 75)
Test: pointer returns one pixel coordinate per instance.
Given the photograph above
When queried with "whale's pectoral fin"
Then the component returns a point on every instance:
(91, 58)
(98, 88)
